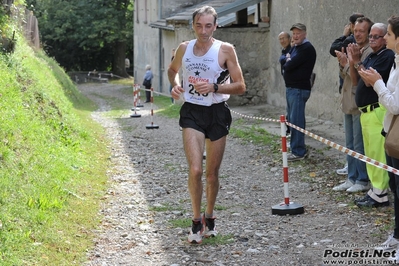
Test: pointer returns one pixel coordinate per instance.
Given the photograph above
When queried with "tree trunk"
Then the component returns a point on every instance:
(118, 64)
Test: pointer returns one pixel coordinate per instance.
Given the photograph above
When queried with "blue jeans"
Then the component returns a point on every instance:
(357, 172)
(296, 103)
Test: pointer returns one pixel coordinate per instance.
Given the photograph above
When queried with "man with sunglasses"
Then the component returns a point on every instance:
(346, 38)
(372, 113)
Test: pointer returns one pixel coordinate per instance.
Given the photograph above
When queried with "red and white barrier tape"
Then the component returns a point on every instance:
(331, 144)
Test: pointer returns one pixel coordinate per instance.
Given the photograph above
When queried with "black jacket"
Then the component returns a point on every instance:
(298, 70)
(340, 42)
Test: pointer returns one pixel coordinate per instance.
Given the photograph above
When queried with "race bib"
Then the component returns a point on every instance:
(192, 96)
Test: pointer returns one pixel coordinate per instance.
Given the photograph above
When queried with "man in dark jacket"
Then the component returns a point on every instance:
(345, 39)
(298, 67)
(285, 42)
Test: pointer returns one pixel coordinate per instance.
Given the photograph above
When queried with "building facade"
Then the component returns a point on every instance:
(253, 26)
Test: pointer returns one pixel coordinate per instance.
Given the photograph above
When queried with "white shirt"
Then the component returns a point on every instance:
(389, 94)
(204, 68)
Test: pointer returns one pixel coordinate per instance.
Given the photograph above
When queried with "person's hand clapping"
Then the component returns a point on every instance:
(342, 58)
(370, 75)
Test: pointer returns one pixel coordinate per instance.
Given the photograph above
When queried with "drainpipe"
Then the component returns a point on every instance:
(160, 48)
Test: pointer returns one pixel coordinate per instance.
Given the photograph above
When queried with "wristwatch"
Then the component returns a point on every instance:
(357, 65)
(215, 87)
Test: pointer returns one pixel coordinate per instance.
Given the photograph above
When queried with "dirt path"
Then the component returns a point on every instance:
(148, 196)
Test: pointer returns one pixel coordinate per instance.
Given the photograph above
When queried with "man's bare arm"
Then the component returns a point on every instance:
(228, 58)
(173, 69)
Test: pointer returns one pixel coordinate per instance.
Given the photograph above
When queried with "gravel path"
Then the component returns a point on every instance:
(148, 195)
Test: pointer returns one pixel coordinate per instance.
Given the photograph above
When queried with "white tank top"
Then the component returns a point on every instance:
(203, 69)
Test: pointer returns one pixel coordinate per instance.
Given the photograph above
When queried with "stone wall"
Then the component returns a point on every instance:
(251, 47)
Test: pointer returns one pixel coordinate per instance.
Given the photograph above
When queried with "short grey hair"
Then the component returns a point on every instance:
(147, 67)
(383, 27)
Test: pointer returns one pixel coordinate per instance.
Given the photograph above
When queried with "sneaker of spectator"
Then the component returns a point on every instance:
(343, 171)
(358, 188)
(292, 157)
(344, 186)
(389, 245)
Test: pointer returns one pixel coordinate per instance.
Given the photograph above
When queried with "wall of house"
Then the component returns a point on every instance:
(146, 40)
(258, 49)
(172, 40)
(325, 22)
(169, 8)
(252, 47)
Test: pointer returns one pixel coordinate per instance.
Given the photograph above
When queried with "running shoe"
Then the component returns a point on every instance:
(210, 227)
(195, 236)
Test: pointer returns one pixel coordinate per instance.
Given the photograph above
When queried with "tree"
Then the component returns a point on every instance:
(86, 35)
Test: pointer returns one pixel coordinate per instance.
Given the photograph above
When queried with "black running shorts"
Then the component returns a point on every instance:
(214, 121)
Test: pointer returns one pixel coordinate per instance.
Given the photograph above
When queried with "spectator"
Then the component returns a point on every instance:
(285, 42)
(389, 97)
(127, 64)
(372, 113)
(347, 37)
(298, 67)
(148, 83)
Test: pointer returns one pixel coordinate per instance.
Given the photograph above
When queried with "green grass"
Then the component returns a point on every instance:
(219, 240)
(180, 223)
(118, 107)
(220, 208)
(125, 81)
(165, 107)
(255, 134)
(50, 184)
(165, 208)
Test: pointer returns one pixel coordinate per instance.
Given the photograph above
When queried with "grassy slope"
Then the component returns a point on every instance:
(52, 163)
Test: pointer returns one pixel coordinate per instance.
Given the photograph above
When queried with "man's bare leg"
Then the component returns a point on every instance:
(194, 142)
(214, 156)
